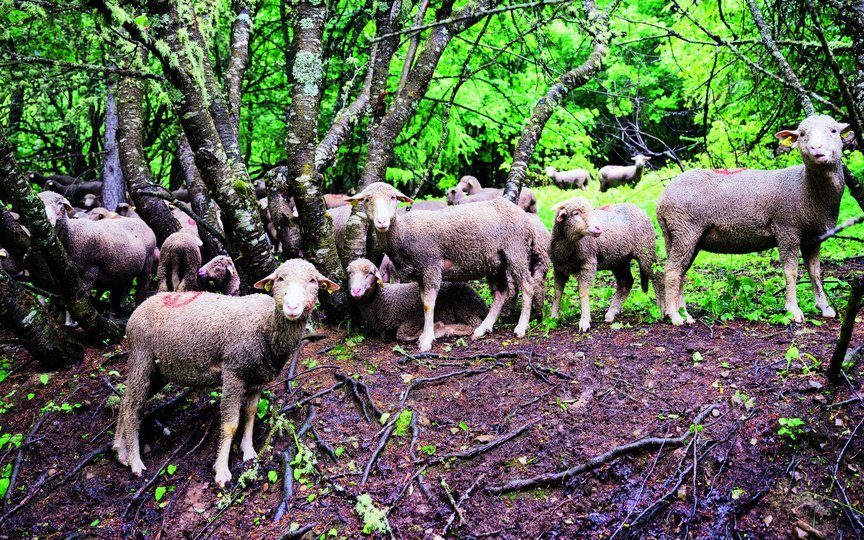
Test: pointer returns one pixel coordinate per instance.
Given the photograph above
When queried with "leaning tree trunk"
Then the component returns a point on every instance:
(53, 346)
(113, 187)
(319, 245)
(599, 29)
(17, 243)
(15, 190)
(134, 163)
(199, 202)
(853, 17)
(852, 309)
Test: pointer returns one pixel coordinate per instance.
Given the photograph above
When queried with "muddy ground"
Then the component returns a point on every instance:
(567, 397)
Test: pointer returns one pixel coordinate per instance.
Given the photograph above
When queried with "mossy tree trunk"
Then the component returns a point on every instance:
(13, 239)
(52, 345)
(113, 187)
(205, 117)
(15, 190)
(598, 28)
(133, 161)
(301, 175)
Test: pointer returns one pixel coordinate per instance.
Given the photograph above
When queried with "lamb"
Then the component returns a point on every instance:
(219, 273)
(179, 259)
(491, 239)
(90, 201)
(578, 248)
(335, 200)
(744, 211)
(395, 311)
(108, 254)
(99, 213)
(204, 339)
(612, 176)
(469, 184)
(577, 178)
(527, 199)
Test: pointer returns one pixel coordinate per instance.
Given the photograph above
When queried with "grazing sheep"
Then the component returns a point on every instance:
(492, 239)
(578, 248)
(577, 178)
(204, 339)
(612, 176)
(395, 311)
(743, 211)
(527, 199)
(469, 184)
(179, 259)
(220, 275)
(108, 254)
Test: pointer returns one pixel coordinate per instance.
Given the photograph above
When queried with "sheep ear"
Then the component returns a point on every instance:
(266, 283)
(379, 278)
(231, 269)
(560, 213)
(404, 198)
(788, 137)
(3, 253)
(325, 283)
(354, 200)
(843, 128)
(68, 207)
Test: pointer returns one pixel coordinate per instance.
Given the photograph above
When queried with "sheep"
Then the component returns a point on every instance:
(469, 184)
(426, 206)
(539, 269)
(221, 275)
(492, 239)
(90, 201)
(179, 260)
(527, 199)
(187, 224)
(204, 339)
(99, 213)
(126, 210)
(612, 176)
(744, 211)
(578, 248)
(108, 254)
(577, 178)
(395, 311)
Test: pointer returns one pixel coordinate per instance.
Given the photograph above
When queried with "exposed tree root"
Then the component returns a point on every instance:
(424, 380)
(298, 533)
(385, 436)
(495, 356)
(356, 386)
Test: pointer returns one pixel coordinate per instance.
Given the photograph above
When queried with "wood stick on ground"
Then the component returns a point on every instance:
(458, 504)
(424, 380)
(852, 309)
(19, 459)
(328, 448)
(287, 482)
(304, 401)
(482, 449)
(355, 385)
(650, 443)
(385, 436)
(298, 533)
(494, 356)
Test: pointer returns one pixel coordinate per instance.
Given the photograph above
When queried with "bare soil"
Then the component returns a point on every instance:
(603, 389)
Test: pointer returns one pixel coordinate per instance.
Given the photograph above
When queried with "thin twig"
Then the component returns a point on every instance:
(416, 383)
(385, 436)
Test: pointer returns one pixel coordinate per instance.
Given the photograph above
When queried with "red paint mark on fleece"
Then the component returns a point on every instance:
(190, 221)
(605, 207)
(176, 300)
(728, 171)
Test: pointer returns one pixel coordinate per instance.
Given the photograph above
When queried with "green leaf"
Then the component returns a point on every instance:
(44, 378)
(339, 451)
(272, 476)
(159, 493)
(95, 522)
(171, 469)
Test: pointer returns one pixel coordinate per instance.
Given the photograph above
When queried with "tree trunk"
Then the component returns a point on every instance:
(319, 245)
(52, 345)
(13, 239)
(853, 16)
(599, 29)
(15, 190)
(238, 61)
(842, 346)
(113, 187)
(134, 163)
(200, 203)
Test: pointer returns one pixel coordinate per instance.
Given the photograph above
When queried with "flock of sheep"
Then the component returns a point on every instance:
(196, 338)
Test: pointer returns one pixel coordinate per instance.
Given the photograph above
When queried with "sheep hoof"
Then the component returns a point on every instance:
(519, 332)
(797, 314)
(249, 453)
(676, 319)
(425, 344)
(223, 476)
(138, 468)
(584, 326)
(828, 312)
(478, 333)
(610, 317)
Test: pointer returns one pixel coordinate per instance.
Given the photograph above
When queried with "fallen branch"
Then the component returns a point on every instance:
(298, 533)
(595, 462)
(287, 482)
(494, 356)
(482, 449)
(416, 383)
(385, 436)
(328, 448)
(355, 385)
(457, 505)
(304, 401)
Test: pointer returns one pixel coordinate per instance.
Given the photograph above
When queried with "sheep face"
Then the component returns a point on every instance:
(550, 172)
(218, 270)
(469, 184)
(578, 216)
(55, 206)
(294, 286)
(99, 213)
(380, 200)
(363, 277)
(90, 201)
(818, 138)
(641, 160)
(125, 210)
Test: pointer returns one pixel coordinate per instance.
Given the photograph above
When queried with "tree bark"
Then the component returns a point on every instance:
(599, 29)
(845, 336)
(113, 187)
(301, 174)
(13, 239)
(133, 161)
(238, 61)
(53, 346)
(853, 16)
(15, 190)
(200, 203)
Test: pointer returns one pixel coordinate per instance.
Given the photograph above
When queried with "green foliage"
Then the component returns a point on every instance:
(374, 519)
(403, 423)
(790, 427)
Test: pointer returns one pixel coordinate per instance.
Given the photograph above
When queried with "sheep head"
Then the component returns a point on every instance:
(55, 206)
(380, 200)
(469, 184)
(578, 216)
(550, 172)
(217, 270)
(363, 277)
(294, 286)
(641, 160)
(819, 139)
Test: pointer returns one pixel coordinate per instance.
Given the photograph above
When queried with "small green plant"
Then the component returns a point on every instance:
(429, 449)
(310, 363)
(403, 423)
(374, 519)
(790, 427)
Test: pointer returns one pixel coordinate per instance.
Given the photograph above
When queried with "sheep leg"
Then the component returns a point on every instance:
(814, 268)
(252, 398)
(623, 284)
(138, 386)
(232, 400)
(560, 282)
(682, 252)
(586, 282)
(789, 262)
(428, 294)
(525, 317)
(498, 299)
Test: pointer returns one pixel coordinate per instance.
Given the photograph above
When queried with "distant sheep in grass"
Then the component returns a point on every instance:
(612, 176)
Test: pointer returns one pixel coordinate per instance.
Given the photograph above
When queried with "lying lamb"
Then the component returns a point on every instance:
(396, 311)
(204, 339)
(577, 178)
(220, 275)
(579, 248)
(612, 176)
(179, 259)
(744, 211)
(527, 199)
(491, 239)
